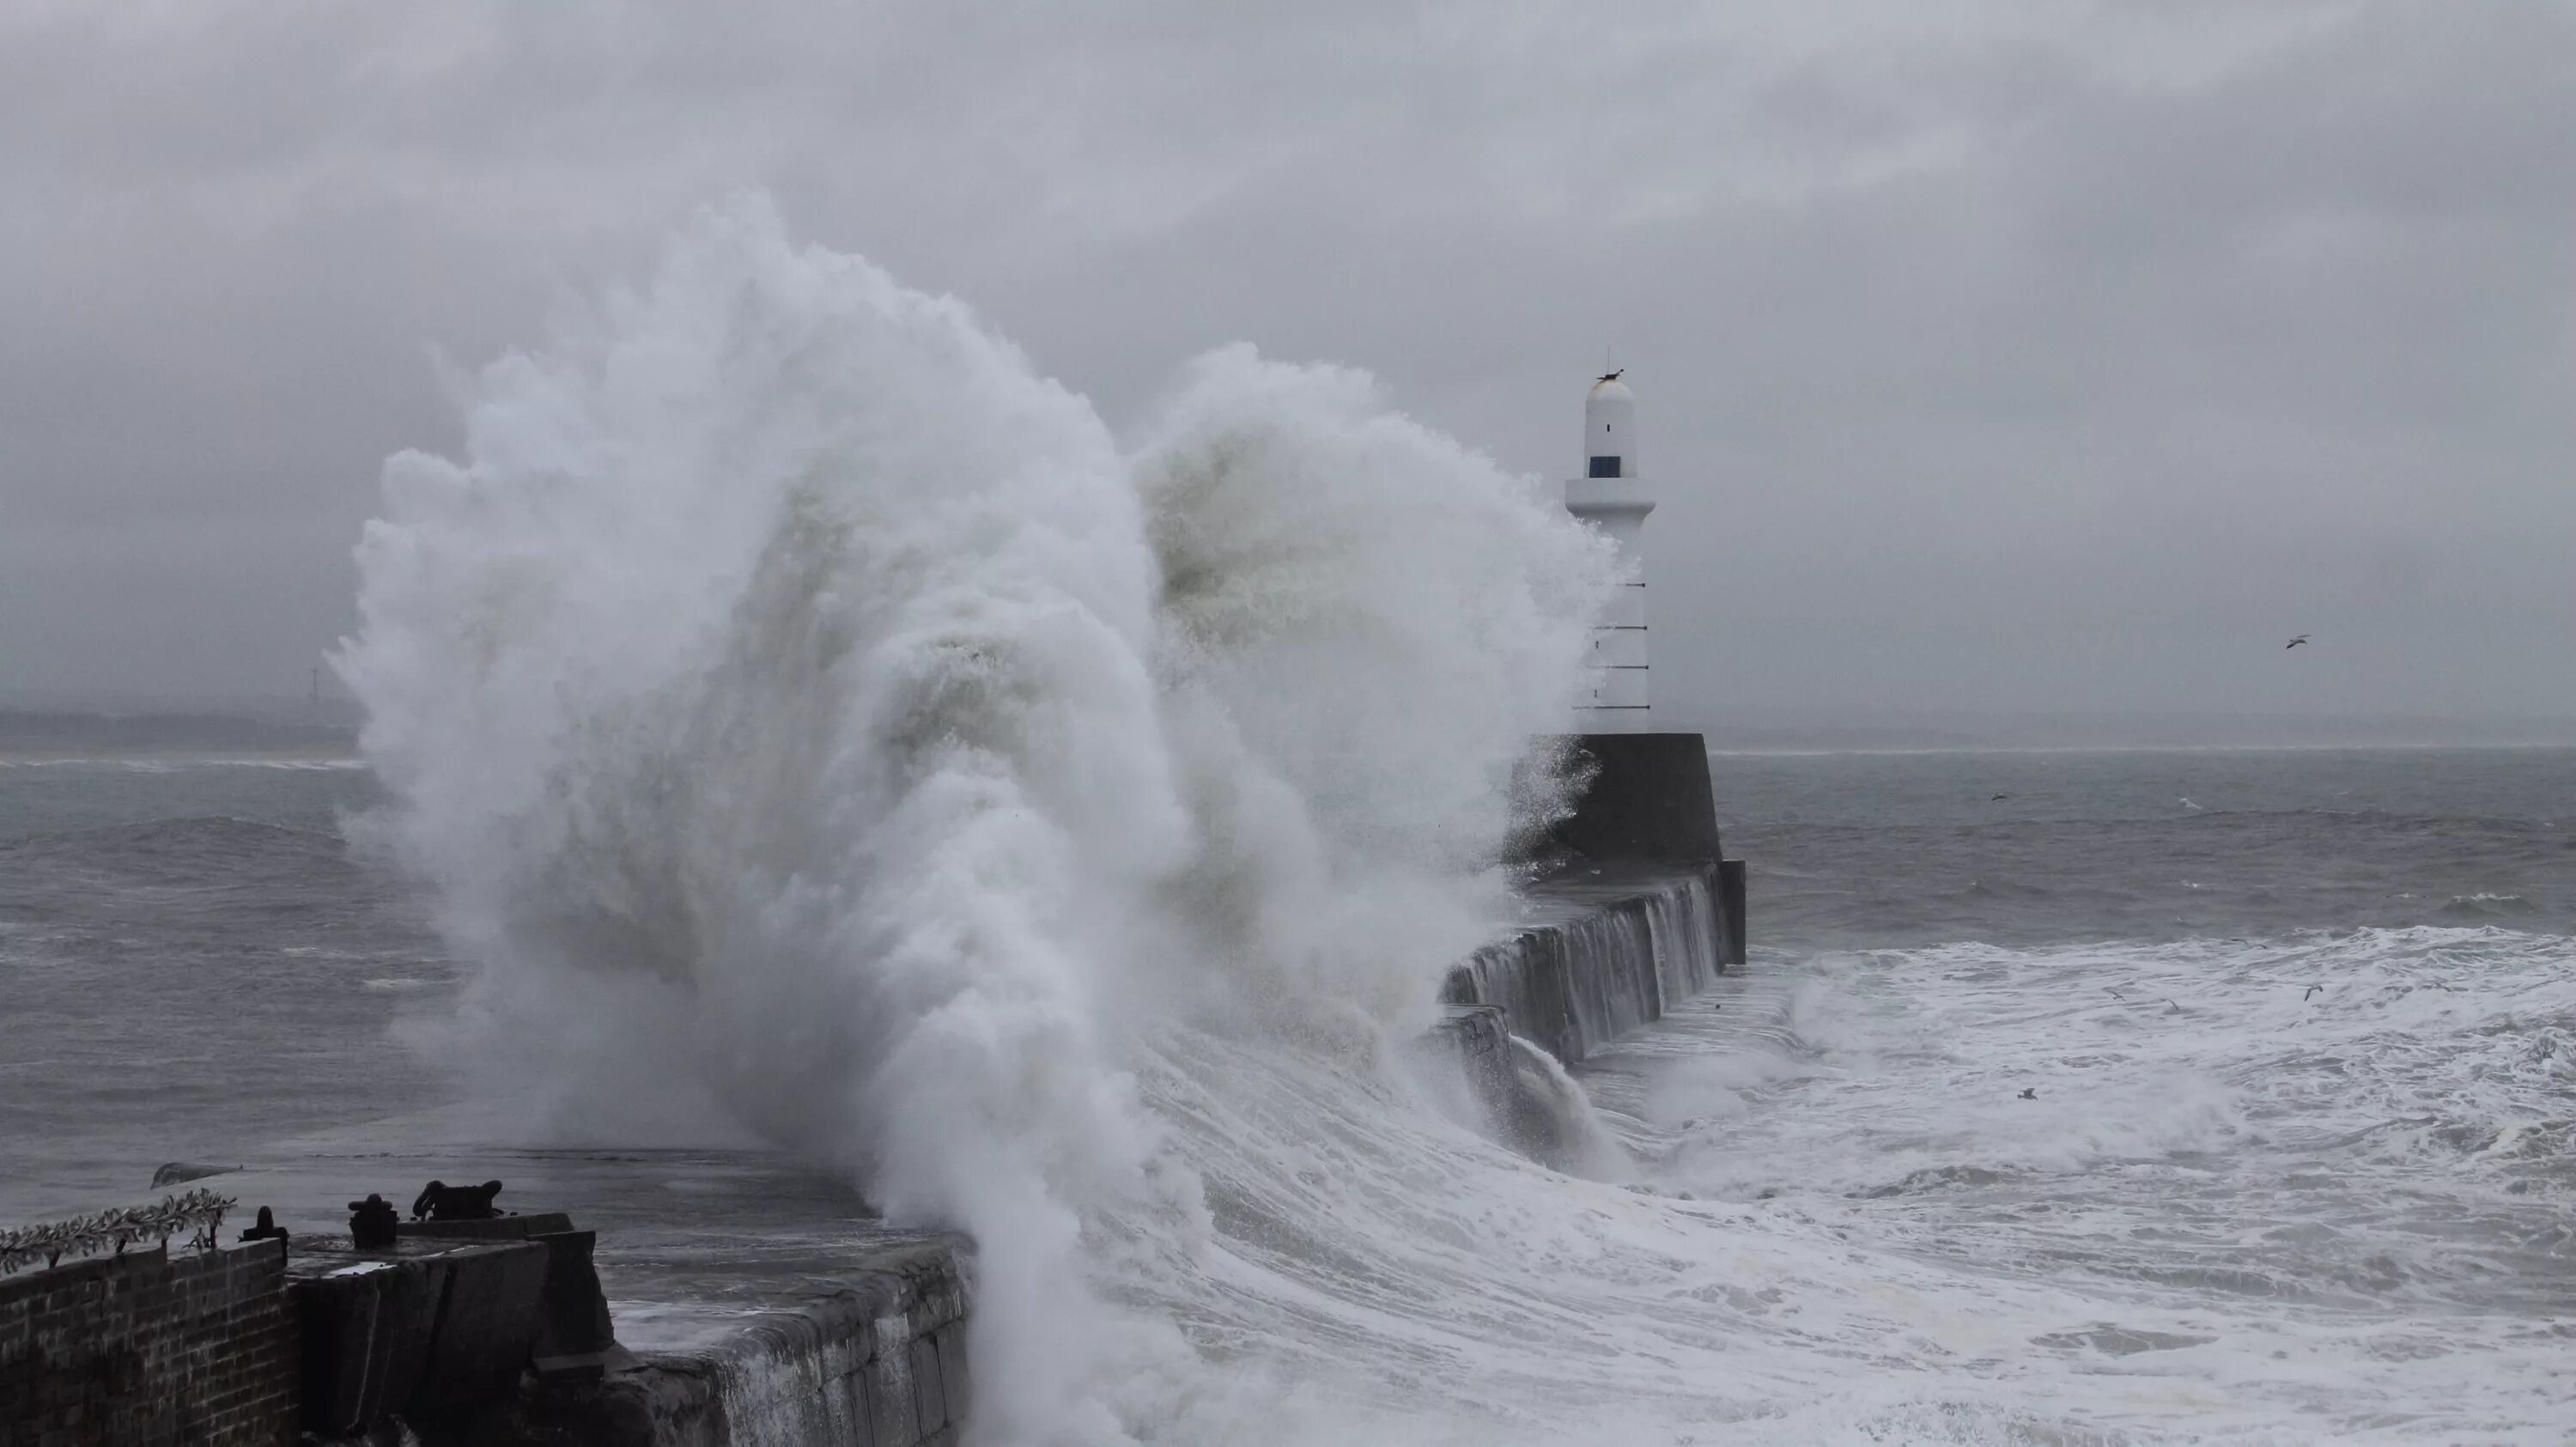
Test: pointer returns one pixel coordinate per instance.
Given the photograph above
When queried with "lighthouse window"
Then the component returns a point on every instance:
(1605, 467)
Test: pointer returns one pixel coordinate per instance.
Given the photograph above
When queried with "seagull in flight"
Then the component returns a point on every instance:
(2295, 642)
(1999, 796)
(2030, 1092)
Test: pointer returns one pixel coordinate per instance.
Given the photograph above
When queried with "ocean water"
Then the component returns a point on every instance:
(2301, 1166)
(794, 713)
(193, 963)
(2300, 1029)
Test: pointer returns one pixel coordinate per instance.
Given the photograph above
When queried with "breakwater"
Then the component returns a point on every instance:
(492, 1333)
(881, 1360)
(714, 1300)
(1607, 951)
(878, 1361)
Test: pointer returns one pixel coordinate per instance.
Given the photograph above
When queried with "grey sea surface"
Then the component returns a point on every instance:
(2244, 1080)
(1868, 851)
(196, 960)
(2299, 1028)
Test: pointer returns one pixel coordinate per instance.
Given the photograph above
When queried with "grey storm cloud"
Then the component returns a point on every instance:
(2042, 356)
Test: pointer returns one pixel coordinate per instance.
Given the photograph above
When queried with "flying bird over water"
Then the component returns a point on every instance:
(2295, 642)
(1999, 796)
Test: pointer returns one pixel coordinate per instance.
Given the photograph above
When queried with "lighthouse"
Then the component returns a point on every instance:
(1646, 795)
(1612, 497)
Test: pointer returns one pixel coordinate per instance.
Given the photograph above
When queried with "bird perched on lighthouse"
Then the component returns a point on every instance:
(1612, 496)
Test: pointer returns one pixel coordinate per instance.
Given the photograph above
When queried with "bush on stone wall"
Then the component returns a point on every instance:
(196, 1214)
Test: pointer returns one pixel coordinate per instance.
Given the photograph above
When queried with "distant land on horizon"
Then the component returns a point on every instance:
(1790, 731)
(331, 727)
(70, 732)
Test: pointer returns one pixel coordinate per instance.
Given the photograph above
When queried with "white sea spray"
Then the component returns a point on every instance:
(799, 702)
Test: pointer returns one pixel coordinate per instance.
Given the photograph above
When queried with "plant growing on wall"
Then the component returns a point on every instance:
(197, 1214)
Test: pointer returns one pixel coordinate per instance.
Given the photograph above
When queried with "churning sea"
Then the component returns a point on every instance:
(2069, 1096)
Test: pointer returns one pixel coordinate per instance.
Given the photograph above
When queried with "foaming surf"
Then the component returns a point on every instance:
(2285, 1189)
(805, 711)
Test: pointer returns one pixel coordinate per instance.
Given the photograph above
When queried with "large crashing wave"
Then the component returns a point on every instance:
(802, 705)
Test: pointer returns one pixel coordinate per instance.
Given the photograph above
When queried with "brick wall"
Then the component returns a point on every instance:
(177, 1347)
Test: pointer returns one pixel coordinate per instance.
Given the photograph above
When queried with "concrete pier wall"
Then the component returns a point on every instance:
(1618, 952)
(881, 1362)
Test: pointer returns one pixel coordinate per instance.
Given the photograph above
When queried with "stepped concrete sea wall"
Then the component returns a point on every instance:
(881, 1363)
(497, 1333)
(1609, 951)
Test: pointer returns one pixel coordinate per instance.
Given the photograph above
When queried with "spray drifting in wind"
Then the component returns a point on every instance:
(791, 691)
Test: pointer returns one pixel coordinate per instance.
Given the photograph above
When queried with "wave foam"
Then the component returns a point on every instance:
(791, 687)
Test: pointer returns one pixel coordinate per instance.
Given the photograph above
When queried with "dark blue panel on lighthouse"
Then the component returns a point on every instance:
(1605, 467)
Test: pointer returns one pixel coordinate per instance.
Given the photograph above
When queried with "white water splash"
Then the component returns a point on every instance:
(800, 704)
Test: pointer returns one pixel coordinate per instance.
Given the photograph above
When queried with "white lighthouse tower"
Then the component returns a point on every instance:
(1612, 497)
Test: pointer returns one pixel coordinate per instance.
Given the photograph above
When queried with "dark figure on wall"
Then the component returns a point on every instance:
(267, 1229)
(439, 1201)
(372, 1222)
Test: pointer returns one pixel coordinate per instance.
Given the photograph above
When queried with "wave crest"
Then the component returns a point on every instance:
(798, 701)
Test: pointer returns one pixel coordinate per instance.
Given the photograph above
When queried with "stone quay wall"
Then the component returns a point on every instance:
(156, 1345)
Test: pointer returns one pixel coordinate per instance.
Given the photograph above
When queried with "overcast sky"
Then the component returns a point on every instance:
(2027, 355)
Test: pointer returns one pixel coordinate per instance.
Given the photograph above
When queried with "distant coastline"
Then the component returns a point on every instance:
(66, 736)
(1752, 731)
(1717, 749)
(277, 735)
